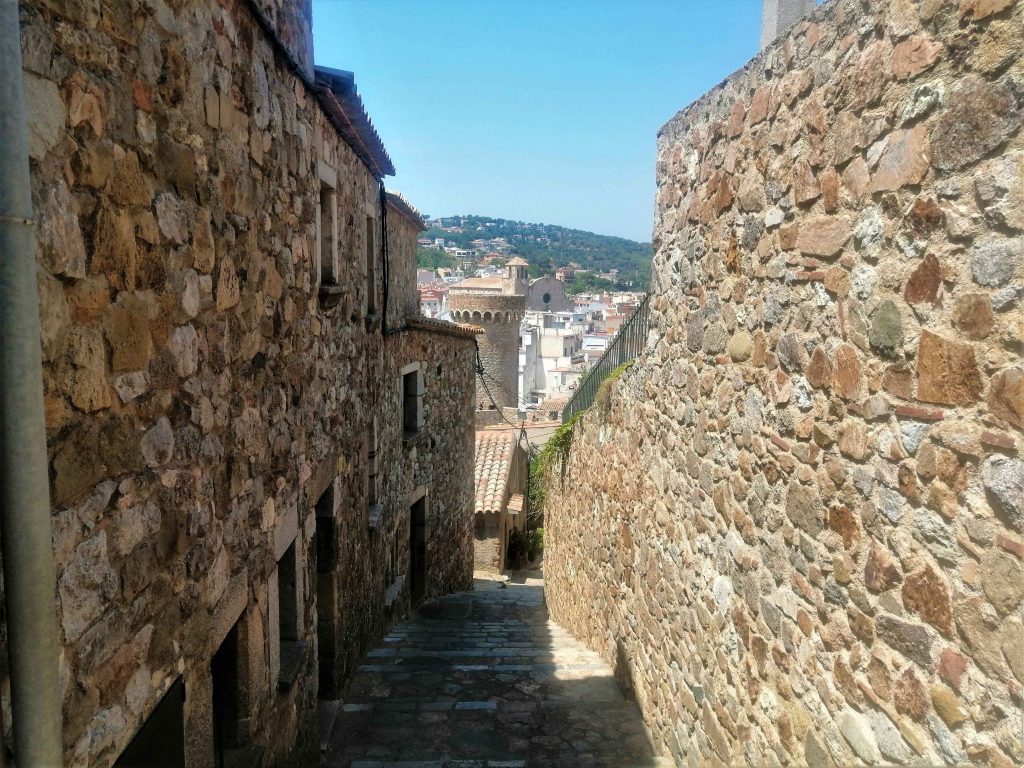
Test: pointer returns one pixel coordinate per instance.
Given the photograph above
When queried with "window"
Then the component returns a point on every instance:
(371, 267)
(412, 400)
(547, 298)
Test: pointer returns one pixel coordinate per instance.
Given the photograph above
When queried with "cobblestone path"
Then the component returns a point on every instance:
(484, 680)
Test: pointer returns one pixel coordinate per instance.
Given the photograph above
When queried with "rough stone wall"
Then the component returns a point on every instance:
(199, 399)
(796, 523)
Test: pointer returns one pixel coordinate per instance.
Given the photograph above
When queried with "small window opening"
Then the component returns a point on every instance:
(412, 410)
(547, 298)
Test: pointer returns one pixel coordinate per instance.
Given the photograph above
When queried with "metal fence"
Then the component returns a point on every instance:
(631, 338)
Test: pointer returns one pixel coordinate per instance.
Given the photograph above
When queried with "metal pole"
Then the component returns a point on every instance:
(28, 568)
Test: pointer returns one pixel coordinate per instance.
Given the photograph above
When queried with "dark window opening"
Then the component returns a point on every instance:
(412, 402)
(547, 298)
(160, 743)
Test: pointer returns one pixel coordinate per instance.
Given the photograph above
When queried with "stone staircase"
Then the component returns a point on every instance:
(483, 679)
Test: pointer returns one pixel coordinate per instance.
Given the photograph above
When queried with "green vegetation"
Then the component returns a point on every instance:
(523, 546)
(588, 282)
(603, 396)
(547, 247)
(553, 451)
(431, 258)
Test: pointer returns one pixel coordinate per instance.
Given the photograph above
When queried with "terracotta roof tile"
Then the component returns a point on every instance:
(494, 451)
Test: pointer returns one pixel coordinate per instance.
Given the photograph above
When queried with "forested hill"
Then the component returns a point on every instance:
(548, 247)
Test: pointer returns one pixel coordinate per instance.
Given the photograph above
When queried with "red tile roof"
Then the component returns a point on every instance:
(494, 451)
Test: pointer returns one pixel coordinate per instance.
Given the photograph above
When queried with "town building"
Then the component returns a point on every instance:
(547, 294)
(260, 456)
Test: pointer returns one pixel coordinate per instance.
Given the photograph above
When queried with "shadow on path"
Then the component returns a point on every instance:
(483, 679)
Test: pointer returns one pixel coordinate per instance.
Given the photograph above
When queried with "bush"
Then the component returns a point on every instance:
(553, 451)
(523, 546)
(535, 542)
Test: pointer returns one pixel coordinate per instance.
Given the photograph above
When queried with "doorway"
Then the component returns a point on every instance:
(418, 550)
(225, 668)
(160, 743)
(326, 550)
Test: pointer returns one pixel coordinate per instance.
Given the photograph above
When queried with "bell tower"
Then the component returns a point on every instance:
(517, 280)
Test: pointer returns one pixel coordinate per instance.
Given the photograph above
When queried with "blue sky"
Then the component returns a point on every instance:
(543, 111)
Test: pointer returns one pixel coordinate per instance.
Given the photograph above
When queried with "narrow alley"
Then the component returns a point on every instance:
(484, 679)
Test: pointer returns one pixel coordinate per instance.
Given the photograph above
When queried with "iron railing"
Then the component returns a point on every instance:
(626, 345)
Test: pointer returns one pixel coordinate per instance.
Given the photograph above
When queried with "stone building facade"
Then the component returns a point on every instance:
(797, 522)
(258, 459)
(547, 294)
(497, 305)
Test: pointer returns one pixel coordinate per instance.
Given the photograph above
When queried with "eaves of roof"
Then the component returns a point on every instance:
(337, 94)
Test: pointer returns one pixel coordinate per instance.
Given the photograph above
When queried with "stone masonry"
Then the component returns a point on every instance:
(798, 520)
(258, 459)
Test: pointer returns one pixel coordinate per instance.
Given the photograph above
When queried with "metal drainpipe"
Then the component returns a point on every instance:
(28, 567)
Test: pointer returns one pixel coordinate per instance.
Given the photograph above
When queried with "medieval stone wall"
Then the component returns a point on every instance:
(499, 316)
(200, 398)
(797, 523)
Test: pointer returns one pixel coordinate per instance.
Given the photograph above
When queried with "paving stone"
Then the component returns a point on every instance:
(529, 694)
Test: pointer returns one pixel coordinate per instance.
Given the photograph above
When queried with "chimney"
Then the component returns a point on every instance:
(779, 15)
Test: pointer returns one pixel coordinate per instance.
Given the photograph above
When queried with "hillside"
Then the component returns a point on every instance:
(548, 247)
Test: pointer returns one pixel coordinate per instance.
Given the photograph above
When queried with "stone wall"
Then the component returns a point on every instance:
(202, 398)
(796, 525)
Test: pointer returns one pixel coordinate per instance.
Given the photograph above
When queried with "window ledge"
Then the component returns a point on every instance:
(293, 654)
(330, 295)
(410, 439)
(373, 517)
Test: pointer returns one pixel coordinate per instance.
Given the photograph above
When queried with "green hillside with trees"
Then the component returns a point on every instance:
(547, 247)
